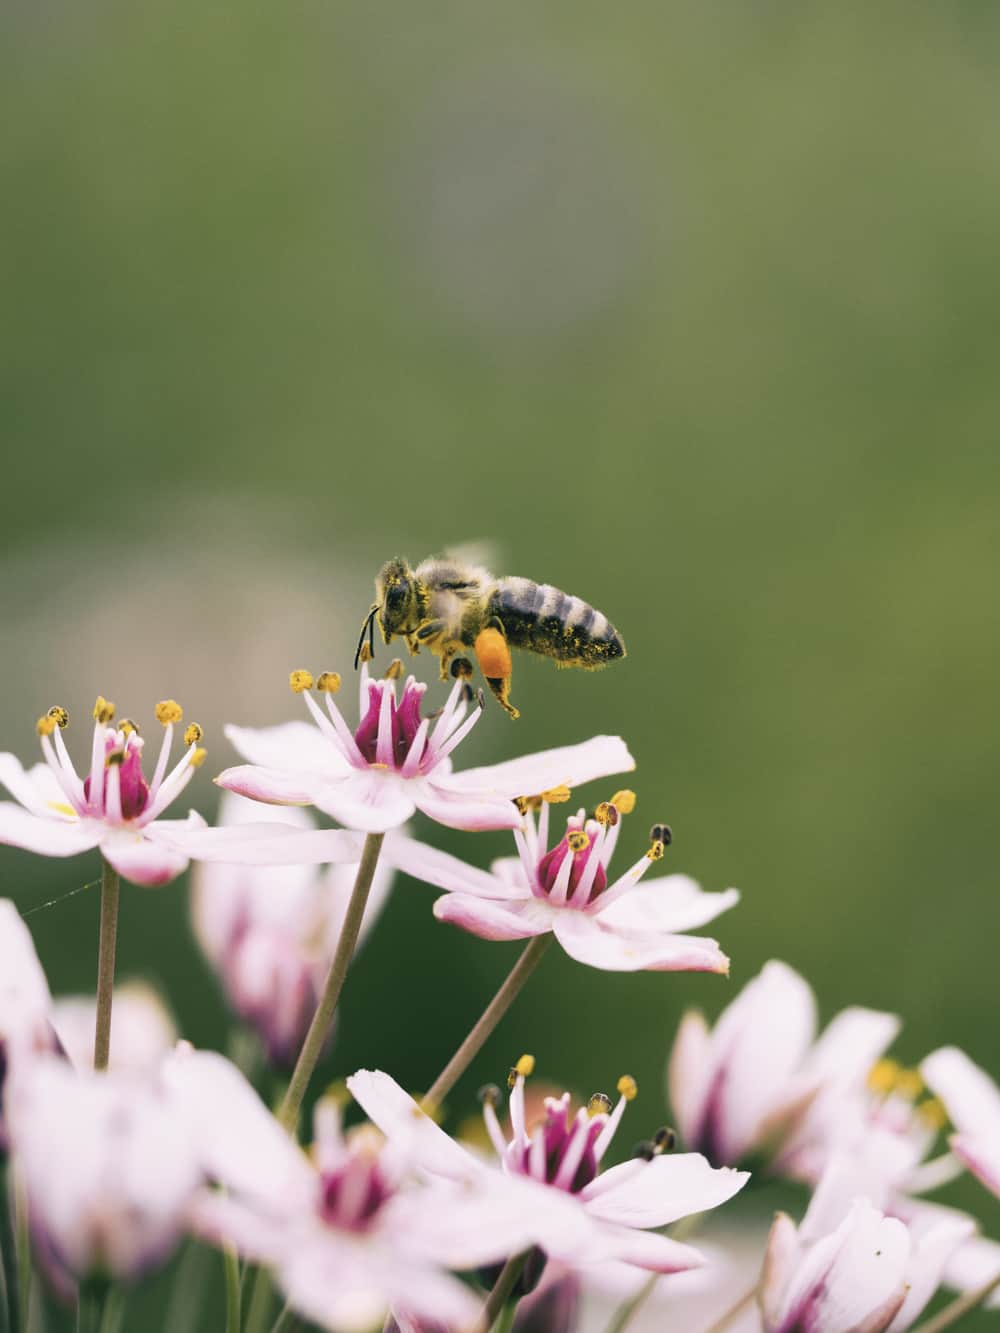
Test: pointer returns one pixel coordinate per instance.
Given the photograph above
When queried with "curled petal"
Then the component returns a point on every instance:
(492, 920)
(587, 940)
(274, 786)
(661, 1191)
(449, 802)
(48, 837)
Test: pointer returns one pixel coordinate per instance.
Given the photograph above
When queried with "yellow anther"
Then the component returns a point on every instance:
(577, 840)
(59, 716)
(197, 757)
(192, 733)
(932, 1112)
(606, 814)
(599, 1104)
(168, 711)
(328, 682)
(365, 655)
(526, 1066)
(656, 850)
(127, 726)
(624, 801)
(883, 1075)
(909, 1084)
(557, 795)
(300, 681)
(395, 669)
(628, 1088)
(45, 726)
(522, 804)
(104, 710)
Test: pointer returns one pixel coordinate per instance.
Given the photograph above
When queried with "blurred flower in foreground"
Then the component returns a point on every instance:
(394, 763)
(972, 1101)
(761, 1082)
(271, 932)
(25, 1002)
(848, 1266)
(108, 1168)
(551, 1177)
(613, 925)
(143, 1032)
(348, 1231)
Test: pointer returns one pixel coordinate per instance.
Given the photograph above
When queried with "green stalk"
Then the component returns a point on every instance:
(502, 1288)
(8, 1251)
(106, 963)
(231, 1265)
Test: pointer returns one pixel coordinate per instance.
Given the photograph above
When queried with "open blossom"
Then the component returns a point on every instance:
(760, 1080)
(848, 1266)
(348, 1230)
(144, 1029)
(615, 924)
(395, 762)
(550, 1175)
(270, 932)
(972, 1101)
(109, 1170)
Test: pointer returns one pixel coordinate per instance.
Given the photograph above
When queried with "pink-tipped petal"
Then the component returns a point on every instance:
(569, 765)
(492, 920)
(296, 746)
(654, 1254)
(588, 941)
(47, 837)
(674, 903)
(274, 786)
(142, 860)
(664, 1190)
(443, 871)
(450, 804)
(981, 1154)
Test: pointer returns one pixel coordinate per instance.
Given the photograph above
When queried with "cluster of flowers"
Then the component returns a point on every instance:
(394, 1220)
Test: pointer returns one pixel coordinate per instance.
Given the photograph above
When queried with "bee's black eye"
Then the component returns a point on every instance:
(396, 596)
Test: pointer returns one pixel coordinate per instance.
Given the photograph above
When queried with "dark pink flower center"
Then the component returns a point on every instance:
(558, 1132)
(353, 1194)
(133, 785)
(551, 864)
(404, 721)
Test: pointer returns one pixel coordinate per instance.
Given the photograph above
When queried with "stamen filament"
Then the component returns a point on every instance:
(603, 1141)
(573, 1152)
(113, 793)
(68, 767)
(383, 743)
(62, 777)
(494, 1130)
(416, 751)
(344, 733)
(162, 759)
(581, 894)
(543, 830)
(536, 1156)
(627, 881)
(528, 864)
(557, 894)
(459, 734)
(173, 784)
(516, 1109)
(444, 722)
(324, 723)
(96, 801)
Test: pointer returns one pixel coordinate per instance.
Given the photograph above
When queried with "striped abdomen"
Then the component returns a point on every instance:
(542, 619)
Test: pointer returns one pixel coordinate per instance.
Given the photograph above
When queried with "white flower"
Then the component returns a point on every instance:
(611, 924)
(270, 932)
(550, 1177)
(972, 1101)
(144, 1029)
(395, 762)
(25, 1002)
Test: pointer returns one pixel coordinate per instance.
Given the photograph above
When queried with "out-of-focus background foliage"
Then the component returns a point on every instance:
(690, 309)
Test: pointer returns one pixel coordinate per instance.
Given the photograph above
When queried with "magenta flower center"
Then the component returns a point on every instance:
(580, 847)
(404, 721)
(562, 1135)
(133, 785)
(353, 1194)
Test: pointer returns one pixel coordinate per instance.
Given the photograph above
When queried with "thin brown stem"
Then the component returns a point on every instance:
(964, 1305)
(530, 957)
(319, 1028)
(106, 964)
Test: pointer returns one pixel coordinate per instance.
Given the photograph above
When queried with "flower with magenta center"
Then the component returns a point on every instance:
(550, 1176)
(618, 925)
(395, 761)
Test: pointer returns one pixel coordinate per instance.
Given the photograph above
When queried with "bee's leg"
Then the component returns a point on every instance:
(493, 655)
(413, 643)
(447, 653)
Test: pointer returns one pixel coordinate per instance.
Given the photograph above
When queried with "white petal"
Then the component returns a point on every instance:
(141, 859)
(971, 1097)
(143, 1031)
(371, 802)
(688, 1071)
(586, 939)
(935, 1243)
(972, 1265)
(662, 1191)
(37, 790)
(25, 1001)
(850, 1044)
(569, 765)
(492, 920)
(48, 837)
(673, 903)
(401, 1120)
(273, 786)
(455, 807)
(291, 746)
(431, 866)
(264, 844)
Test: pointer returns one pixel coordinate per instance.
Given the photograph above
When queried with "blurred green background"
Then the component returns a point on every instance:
(688, 309)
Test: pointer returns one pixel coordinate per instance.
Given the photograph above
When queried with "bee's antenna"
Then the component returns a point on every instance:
(368, 627)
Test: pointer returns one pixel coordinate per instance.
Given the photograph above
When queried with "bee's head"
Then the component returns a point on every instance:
(399, 597)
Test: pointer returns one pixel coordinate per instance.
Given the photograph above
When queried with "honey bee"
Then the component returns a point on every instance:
(450, 606)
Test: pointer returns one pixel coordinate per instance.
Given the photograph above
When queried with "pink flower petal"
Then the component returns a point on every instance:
(454, 809)
(585, 939)
(401, 1120)
(661, 1191)
(673, 903)
(265, 843)
(971, 1097)
(48, 837)
(294, 746)
(371, 802)
(532, 774)
(142, 860)
(981, 1155)
(275, 786)
(34, 790)
(850, 1044)
(688, 1071)
(25, 1002)
(935, 1241)
(431, 866)
(655, 1254)
(492, 920)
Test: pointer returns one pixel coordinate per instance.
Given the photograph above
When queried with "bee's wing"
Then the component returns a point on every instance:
(483, 554)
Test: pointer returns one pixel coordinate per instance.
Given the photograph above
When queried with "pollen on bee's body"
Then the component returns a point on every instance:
(168, 711)
(300, 680)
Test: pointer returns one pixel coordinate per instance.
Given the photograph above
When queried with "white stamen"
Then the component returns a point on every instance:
(494, 1130)
(627, 881)
(543, 830)
(536, 1156)
(97, 767)
(610, 842)
(581, 894)
(383, 743)
(557, 894)
(528, 863)
(162, 759)
(416, 751)
(603, 1141)
(344, 733)
(62, 777)
(363, 681)
(458, 735)
(67, 764)
(444, 722)
(172, 786)
(113, 794)
(516, 1108)
(574, 1150)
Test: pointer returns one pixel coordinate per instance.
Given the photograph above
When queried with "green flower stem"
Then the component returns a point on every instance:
(106, 963)
(8, 1251)
(497, 1300)
(319, 1028)
(530, 957)
(625, 1314)
(964, 1305)
(231, 1266)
